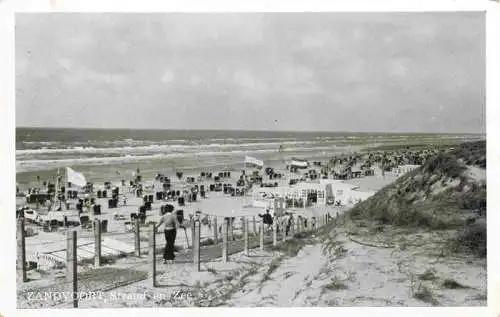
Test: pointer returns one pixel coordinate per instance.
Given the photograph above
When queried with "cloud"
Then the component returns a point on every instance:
(236, 65)
(168, 76)
(195, 80)
(246, 80)
(399, 68)
(81, 76)
(316, 40)
(65, 63)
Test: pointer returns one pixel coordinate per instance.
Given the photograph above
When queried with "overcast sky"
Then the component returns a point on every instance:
(391, 72)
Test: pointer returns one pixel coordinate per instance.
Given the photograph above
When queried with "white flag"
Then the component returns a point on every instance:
(254, 161)
(75, 178)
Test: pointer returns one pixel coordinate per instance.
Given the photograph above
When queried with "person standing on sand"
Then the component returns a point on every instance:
(267, 219)
(171, 224)
(285, 223)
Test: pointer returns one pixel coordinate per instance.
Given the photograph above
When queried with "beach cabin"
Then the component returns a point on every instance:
(315, 192)
(403, 169)
(356, 172)
(325, 191)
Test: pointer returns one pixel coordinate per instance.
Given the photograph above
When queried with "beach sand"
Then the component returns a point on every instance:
(355, 275)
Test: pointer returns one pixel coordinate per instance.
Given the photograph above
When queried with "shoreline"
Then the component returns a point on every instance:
(101, 173)
(150, 167)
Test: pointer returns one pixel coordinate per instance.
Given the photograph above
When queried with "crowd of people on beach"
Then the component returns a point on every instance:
(342, 166)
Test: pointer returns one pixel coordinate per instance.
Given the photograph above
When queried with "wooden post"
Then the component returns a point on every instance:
(192, 234)
(245, 236)
(72, 264)
(224, 240)
(283, 231)
(152, 252)
(299, 223)
(137, 238)
(254, 226)
(97, 243)
(275, 233)
(216, 230)
(196, 244)
(262, 235)
(231, 229)
(21, 248)
(292, 227)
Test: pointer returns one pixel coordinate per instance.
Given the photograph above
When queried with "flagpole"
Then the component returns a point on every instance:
(58, 189)
(244, 180)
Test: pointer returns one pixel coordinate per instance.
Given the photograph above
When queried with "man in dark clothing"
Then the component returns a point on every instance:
(268, 219)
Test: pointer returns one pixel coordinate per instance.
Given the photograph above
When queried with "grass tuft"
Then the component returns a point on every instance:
(428, 275)
(335, 284)
(273, 266)
(424, 294)
(452, 284)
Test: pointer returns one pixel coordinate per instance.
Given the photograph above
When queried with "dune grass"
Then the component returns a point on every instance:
(335, 284)
(452, 284)
(424, 294)
(428, 275)
(435, 196)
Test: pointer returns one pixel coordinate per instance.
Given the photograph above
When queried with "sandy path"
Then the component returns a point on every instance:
(358, 275)
(351, 274)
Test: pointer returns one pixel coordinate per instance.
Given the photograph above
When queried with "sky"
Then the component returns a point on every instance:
(357, 72)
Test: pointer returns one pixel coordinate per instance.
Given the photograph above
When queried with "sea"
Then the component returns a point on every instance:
(105, 154)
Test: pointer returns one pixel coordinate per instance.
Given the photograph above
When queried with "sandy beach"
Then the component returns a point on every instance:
(345, 266)
(49, 248)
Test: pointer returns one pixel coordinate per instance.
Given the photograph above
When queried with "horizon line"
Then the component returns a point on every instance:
(243, 130)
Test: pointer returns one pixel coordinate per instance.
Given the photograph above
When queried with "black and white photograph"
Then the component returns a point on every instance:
(250, 159)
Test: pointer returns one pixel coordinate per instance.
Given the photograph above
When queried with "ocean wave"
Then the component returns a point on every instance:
(170, 148)
(41, 142)
(40, 164)
(129, 142)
